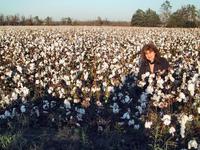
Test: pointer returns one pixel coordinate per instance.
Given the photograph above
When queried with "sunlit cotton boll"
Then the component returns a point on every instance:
(148, 124)
(110, 89)
(19, 69)
(166, 119)
(191, 88)
(181, 97)
(50, 90)
(183, 119)
(172, 130)
(14, 96)
(198, 110)
(149, 89)
(192, 144)
(25, 91)
(8, 73)
(160, 83)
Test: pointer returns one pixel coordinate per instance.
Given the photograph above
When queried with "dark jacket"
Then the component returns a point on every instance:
(160, 64)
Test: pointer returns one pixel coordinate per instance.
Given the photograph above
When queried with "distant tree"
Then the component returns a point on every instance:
(23, 20)
(37, 20)
(14, 20)
(198, 17)
(48, 21)
(66, 21)
(2, 19)
(8, 20)
(99, 21)
(29, 21)
(165, 12)
(151, 18)
(187, 16)
(138, 19)
(63, 21)
(69, 21)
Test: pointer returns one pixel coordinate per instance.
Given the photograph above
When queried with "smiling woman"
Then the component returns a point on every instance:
(152, 61)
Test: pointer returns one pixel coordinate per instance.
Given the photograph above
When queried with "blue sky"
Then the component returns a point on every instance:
(85, 9)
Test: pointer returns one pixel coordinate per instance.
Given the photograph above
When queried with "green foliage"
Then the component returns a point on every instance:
(184, 17)
(5, 141)
(165, 11)
(149, 18)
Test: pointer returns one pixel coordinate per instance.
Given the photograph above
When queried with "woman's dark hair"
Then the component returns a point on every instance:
(151, 47)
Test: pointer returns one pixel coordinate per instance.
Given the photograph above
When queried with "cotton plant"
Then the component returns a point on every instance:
(59, 62)
(183, 119)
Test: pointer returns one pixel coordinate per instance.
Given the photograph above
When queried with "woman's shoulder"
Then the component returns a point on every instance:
(164, 62)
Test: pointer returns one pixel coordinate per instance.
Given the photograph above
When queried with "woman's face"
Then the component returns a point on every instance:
(150, 55)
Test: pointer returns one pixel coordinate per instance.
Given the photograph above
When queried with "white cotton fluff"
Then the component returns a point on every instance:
(172, 130)
(149, 89)
(181, 97)
(23, 109)
(166, 119)
(126, 116)
(25, 91)
(67, 104)
(183, 119)
(148, 124)
(131, 122)
(198, 110)
(115, 108)
(192, 144)
(160, 83)
(7, 114)
(19, 69)
(191, 87)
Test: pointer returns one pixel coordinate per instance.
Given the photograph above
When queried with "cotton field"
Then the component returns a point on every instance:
(87, 76)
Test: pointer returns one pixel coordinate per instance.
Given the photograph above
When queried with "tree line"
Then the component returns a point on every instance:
(186, 16)
(15, 20)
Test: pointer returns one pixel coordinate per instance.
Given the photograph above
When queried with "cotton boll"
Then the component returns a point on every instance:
(183, 119)
(131, 122)
(198, 110)
(148, 124)
(115, 108)
(166, 119)
(7, 114)
(126, 116)
(23, 109)
(127, 99)
(25, 91)
(19, 69)
(67, 104)
(192, 144)
(8, 73)
(137, 126)
(14, 96)
(191, 87)
(172, 130)
(150, 89)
